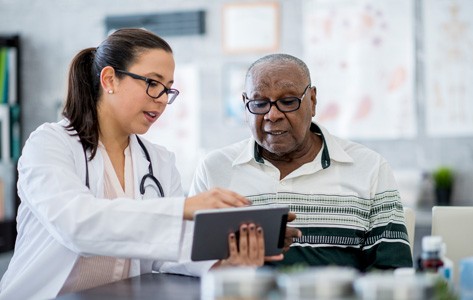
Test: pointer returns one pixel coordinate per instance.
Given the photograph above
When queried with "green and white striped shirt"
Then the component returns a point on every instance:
(346, 201)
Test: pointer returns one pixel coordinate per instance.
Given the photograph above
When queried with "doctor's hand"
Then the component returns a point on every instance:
(291, 233)
(248, 250)
(214, 198)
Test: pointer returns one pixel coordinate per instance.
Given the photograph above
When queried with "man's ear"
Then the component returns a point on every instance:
(313, 99)
(244, 108)
(107, 79)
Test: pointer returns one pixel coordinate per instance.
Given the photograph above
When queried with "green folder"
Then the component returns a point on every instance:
(3, 74)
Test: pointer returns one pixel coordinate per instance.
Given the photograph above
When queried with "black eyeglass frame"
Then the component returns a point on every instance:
(271, 103)
(173, 92)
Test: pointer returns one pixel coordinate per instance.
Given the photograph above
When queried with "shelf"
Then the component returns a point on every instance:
(10, 137)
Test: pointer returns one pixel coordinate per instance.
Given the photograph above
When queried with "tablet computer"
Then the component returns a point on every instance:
(212, 227)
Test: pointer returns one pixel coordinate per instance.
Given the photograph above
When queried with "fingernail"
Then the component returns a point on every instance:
(232, 236)
(252, 228)
(259, 230)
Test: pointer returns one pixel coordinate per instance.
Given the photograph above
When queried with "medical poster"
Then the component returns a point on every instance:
(178, 127)
(448, 27)
(361, 57)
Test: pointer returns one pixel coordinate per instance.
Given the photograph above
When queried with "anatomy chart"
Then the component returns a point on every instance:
(361, 58)
(448, 27)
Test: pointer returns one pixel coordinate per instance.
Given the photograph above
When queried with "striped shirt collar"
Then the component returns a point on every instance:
(331, 150)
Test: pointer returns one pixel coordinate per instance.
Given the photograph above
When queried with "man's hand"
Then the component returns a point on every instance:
(250, 248)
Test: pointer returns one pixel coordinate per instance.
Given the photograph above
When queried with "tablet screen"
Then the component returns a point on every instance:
(212, 227)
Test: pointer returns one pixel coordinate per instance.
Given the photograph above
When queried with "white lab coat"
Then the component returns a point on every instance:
(60, 219)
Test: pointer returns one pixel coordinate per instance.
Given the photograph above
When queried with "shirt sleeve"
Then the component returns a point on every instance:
(185, 265)
(386, 244)
(199, 183)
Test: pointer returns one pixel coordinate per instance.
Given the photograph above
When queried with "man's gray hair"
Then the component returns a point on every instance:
(280, 58)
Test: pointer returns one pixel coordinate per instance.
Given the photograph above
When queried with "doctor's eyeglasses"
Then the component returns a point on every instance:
(154, 88)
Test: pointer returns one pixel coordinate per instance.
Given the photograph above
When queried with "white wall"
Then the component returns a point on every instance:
(52, 31)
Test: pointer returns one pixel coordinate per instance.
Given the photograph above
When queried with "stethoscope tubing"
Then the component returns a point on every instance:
(150, 174)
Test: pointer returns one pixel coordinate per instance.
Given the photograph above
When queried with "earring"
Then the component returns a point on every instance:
(110, 91)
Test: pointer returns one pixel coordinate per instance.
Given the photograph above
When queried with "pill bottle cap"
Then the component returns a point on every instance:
(432, 243)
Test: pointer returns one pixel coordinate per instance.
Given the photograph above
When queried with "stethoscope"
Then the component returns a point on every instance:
(149, 176)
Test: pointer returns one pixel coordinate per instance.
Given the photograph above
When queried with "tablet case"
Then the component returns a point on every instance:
(212, 227)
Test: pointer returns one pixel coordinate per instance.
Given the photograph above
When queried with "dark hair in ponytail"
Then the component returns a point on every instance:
(119, 50)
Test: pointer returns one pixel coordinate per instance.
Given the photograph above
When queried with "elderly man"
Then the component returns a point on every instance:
(344, 195)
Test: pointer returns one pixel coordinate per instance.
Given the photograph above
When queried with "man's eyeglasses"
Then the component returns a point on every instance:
(263, 106)
(154, 88)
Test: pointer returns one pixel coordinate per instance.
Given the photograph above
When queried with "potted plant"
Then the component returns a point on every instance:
(443, 178)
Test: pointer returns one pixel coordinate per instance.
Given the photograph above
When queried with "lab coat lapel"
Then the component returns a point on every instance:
(96, 173)
(140, 169)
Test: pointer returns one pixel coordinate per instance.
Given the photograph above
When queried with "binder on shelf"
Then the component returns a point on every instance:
(8, 194)
(15, 134)
(12, 75)
(10, 136)
(3, 74)
(4, 133)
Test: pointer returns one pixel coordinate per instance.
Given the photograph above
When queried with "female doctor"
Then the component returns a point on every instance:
(99, 203)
